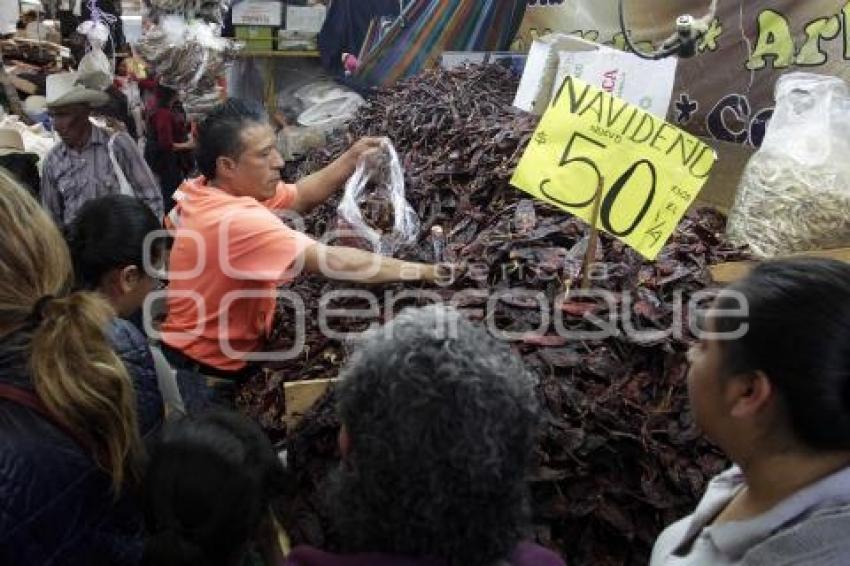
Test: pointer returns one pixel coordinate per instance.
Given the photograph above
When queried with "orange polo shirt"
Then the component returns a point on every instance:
(230, 255)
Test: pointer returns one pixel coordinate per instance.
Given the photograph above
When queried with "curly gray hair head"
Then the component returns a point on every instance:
(442, 421)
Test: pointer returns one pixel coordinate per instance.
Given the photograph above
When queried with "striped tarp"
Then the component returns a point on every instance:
(427, 28)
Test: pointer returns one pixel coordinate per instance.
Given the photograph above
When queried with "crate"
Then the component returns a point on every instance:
(307, 19)
(296, 41)
(256, 38)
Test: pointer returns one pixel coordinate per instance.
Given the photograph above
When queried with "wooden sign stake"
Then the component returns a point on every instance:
(594, 236)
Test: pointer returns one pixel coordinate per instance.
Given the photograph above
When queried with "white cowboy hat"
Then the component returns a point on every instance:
(64, 89)
(11, 142)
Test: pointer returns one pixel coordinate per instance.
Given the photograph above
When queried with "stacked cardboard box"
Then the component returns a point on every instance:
(303, 24)
(265, 24)
(256, 22)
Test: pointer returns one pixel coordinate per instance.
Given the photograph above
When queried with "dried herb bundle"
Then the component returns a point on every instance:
(619, 457)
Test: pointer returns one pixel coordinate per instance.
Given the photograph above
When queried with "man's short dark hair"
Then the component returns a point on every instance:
(220, 134)
(442, 420)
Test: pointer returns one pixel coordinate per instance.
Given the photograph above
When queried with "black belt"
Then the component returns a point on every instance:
(179, 360)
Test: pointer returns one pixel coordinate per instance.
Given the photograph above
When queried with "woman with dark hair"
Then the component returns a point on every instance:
(207, 490)
(70, 453)
(167, 140)
(439, 422)
(770, 384)
(107, 242)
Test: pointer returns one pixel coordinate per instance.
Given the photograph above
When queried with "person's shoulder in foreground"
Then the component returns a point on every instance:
(769, 383)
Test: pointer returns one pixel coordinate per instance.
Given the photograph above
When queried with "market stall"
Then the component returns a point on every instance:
(583, 199)
(620, 457)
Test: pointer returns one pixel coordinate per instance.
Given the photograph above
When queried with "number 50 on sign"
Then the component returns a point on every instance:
(652, 171)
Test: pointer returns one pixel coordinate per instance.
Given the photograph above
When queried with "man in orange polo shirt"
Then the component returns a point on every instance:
(231, 252)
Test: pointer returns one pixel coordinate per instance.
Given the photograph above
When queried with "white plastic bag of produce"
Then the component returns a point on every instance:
(794, 194)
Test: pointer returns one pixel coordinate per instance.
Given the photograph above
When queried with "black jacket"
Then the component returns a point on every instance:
(56, 505)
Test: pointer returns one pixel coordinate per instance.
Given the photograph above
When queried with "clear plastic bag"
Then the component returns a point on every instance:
(794, 194)
(95, 63)
(332, 113)
(294, 141)
(378, 186)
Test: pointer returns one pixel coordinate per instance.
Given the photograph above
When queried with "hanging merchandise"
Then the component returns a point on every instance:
(346, 26)
(96, 32)
(211, 11)
(427, 28)
(198, 104)
(95, 62)
(186, 56)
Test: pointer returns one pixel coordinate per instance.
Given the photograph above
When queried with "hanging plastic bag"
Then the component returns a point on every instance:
(95, 62)
(794, 195)
(377, 187)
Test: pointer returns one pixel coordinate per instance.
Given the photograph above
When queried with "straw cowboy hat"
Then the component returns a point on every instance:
(11, 142)
(64, 89)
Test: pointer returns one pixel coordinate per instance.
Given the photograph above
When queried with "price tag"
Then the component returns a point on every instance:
(652, 170)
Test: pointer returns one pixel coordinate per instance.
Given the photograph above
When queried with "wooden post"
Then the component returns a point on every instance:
(590, 256)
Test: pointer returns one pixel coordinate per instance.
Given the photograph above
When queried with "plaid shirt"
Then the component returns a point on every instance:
(70, 178)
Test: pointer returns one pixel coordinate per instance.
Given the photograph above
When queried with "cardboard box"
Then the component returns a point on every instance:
(288, 40)
(541, 68)
(258, 13)
(309, 19)
(623, 75)
(555, 56)
(256, 38)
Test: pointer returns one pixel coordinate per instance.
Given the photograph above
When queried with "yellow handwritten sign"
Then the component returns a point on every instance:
(652, 171)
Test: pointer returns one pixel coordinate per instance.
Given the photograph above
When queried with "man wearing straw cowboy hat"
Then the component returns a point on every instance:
(89, 162)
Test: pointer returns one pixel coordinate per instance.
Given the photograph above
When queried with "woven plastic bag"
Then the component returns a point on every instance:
(794, 194)
(377, 187)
